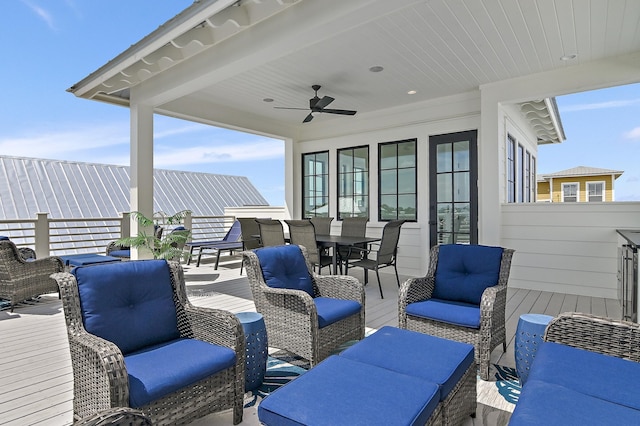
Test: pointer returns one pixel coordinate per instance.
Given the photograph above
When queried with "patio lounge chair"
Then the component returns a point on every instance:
(22, 279)
(385, 255)
(136, 341)
(230, 242)
(305, 313)
(463, 298)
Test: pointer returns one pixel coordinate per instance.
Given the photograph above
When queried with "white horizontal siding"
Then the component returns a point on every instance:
(567, 248)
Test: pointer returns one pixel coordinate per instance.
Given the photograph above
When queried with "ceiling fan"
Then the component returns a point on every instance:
(317, 104)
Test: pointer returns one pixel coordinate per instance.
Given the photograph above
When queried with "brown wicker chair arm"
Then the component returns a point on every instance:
(416, 290)
(296, 300)
(340, 287)
(115, 416)
(597, 334)
(46, 265)
(215, 326)
(100, 365)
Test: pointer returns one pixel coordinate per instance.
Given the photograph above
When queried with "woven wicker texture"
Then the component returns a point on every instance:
(21, 280)
(120, 416)
(596, 334)
(303, 233)
(100, 378)
(385, 254)
(291, 316)
(492, 312)
(271, 232)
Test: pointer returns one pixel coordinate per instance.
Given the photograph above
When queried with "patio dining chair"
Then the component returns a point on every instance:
(303, 233)
(136, 341)
(307, 314)
(352, 227)
(271, 232)
(322, 224)
(384, 253)
(24, 278)
(462, 297)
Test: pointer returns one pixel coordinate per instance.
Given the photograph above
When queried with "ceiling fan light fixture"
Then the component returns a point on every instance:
(267, 100)
(412, 92)
(376, 68)
(568, 57)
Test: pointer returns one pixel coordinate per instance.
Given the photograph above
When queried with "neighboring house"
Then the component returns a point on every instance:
(452, 99)
(578, 185)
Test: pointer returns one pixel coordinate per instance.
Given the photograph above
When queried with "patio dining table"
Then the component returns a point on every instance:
(336, 241)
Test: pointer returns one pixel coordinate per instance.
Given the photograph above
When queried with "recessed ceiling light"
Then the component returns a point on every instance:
(267, 100)
(376, 68)
(568, 57)
(411, 92)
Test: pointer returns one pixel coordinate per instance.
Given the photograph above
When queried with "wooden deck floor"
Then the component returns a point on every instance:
(35, 369)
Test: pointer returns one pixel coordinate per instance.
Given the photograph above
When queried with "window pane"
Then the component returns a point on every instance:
(461, 155)
(407, 154)
(388, 159)
(345, 160)
(461, 189)
(361, 158)
(445, 188)
(361, 205)
(388, 205)
(445, 219)
(406, 181)
(388, 182)
(407, 207)
(353, 180)
(346, 185)
(361, 183)
(444, 158)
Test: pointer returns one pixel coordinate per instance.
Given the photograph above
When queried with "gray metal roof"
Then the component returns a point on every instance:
(67, 189)
(581, 171)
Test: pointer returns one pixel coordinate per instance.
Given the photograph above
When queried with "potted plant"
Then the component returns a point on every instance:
(161, 245)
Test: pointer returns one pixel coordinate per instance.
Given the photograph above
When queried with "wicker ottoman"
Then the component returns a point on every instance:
(447, 363)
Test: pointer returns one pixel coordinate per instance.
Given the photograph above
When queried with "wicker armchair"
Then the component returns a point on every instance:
(21, 279)
(485, 335)
(191, 380)
(121, 416)
(292, 317)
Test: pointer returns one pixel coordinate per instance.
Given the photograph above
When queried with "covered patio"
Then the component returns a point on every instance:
(37, 385)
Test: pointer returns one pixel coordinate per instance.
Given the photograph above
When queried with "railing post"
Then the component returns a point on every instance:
(41, 235)
(125, 225)
(188, 223)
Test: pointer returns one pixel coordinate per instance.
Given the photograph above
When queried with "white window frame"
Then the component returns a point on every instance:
(604, 188)
(577, 185)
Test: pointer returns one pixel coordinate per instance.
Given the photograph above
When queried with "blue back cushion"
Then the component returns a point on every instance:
(465, 271)
(128, 303)
(234, 233)
(4, 238)
(284, 267)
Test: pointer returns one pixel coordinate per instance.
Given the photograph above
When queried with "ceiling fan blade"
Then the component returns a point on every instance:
(308, 118)
(301, 109)
(339, 111)
(323, 102)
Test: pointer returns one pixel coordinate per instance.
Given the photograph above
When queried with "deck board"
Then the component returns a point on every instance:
(36, 384)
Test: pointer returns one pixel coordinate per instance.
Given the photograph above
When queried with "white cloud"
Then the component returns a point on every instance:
(42, 14)
(220, 153)
(633, 134)
(600, 105)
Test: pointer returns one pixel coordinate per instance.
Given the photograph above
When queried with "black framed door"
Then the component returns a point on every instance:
(453, 188)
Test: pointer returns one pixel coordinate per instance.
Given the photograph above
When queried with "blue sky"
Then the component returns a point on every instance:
(51, 44)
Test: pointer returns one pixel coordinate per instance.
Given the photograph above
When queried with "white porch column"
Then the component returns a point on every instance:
(292, 179)
(489, 212)
(141, 168)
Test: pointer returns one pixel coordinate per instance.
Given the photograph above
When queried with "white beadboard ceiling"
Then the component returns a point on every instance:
(277, 49)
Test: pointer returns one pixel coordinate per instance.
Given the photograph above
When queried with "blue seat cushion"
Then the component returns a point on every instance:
(4, 238)
(158, 370)
(433, 359)
(465, 271)
(601, 376)
(333, 310)
(285, 267)
(456, 313)
(346, 392)
(548, 404)
(120, 253)
(128, 303)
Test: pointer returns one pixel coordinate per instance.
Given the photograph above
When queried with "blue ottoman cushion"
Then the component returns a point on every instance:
(156, 371)
(434, 359)
(465, 271)
(601, 376)
(333, 310)
(456, 313)
(343, 391)
(117, 299)
(285, 267)
(549, 404)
